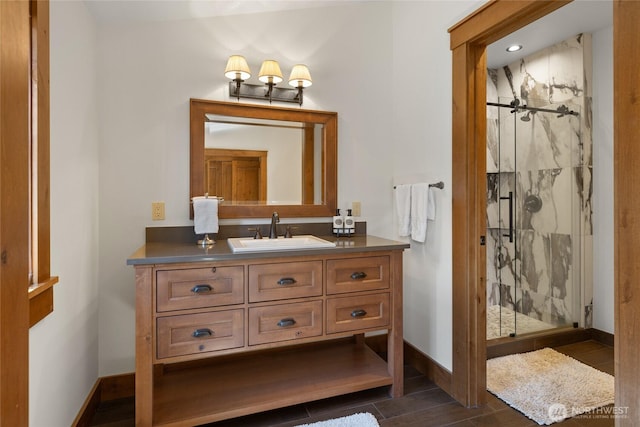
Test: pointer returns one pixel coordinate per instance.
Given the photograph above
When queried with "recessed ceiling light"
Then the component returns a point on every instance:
(514, 48)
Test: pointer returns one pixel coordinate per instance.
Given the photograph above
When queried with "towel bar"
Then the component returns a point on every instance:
(438, 184)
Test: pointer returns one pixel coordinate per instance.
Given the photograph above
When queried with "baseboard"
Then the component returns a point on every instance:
(601, 336)
(414, 357)
(428, 367)
(105, 389)
(90, 406)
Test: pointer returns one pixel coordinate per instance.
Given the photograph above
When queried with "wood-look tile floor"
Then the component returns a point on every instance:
(424, 404)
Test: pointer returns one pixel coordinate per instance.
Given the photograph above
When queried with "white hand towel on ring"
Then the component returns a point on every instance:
(205, 215)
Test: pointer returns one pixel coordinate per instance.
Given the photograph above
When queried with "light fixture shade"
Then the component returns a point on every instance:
(300, 76)
(237, 64)
(270, 68)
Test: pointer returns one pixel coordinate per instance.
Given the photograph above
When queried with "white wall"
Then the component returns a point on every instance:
(421, 138)
(63, 362)
(603, 304)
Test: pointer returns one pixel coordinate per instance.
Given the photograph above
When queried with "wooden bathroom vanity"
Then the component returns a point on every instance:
(220, 335)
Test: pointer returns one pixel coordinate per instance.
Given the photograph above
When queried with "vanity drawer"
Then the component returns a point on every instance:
(357, 274)
(285, 322)
(357, 312)
(269, 282)
(200, 333)
(199, 287)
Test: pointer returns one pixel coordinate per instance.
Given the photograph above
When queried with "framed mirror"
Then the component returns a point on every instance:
(262, 159)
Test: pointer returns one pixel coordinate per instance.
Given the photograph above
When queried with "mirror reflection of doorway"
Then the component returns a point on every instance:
(238, 176)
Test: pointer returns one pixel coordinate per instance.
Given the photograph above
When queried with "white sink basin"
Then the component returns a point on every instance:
(249, 244)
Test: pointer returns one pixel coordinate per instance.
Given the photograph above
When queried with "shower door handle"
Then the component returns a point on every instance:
(510, 198)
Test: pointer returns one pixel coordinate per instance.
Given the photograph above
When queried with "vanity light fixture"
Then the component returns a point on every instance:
(237, 70)
(300, 78)
(270, 74)
(514, 48)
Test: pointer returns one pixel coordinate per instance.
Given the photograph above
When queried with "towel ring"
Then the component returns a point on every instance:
(207, 241)
(206, 196)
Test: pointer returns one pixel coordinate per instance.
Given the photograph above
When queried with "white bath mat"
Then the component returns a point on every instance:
(548, 386)
(363, 419)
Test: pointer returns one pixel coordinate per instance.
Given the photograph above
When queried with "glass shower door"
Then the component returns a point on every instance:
(535, 231)
(507, 237)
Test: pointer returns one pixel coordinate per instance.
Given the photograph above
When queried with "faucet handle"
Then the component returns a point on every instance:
(258, 234)
(288, 234)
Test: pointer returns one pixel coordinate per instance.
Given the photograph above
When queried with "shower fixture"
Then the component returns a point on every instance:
(533, 203)
(563, 110)
(514, 104)
(526, 117)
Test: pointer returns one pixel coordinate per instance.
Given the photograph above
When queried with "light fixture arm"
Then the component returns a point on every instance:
(299, 95)
(239, 82)
(270, 86)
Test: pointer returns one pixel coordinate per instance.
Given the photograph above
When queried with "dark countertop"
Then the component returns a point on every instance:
(165, 253)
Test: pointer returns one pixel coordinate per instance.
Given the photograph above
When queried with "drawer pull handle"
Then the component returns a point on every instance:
(203, 332)
(286, 281)
(358, 313)
(201, 289)
(358, 275)
(283, 323)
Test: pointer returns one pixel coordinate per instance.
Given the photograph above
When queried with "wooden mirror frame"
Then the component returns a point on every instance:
(199, 108)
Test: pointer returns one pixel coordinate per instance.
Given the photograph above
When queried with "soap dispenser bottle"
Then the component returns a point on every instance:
(349, 223)
(338, 223)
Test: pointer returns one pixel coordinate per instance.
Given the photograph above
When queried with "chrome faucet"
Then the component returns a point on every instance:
(273, 230)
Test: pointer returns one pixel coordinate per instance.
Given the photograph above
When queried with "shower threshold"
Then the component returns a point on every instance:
(537, 340)
(504, 322)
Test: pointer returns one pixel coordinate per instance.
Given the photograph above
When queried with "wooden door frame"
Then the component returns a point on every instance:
(468, 40)
(15, 62)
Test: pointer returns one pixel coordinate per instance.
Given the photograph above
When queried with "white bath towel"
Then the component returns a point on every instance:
(403, 208)
(422, 209)
(431, 204)
(205, 215)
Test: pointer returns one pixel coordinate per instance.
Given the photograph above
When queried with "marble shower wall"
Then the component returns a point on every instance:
(546, 162)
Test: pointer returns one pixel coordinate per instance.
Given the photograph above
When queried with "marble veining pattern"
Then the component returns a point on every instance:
(544, 160)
